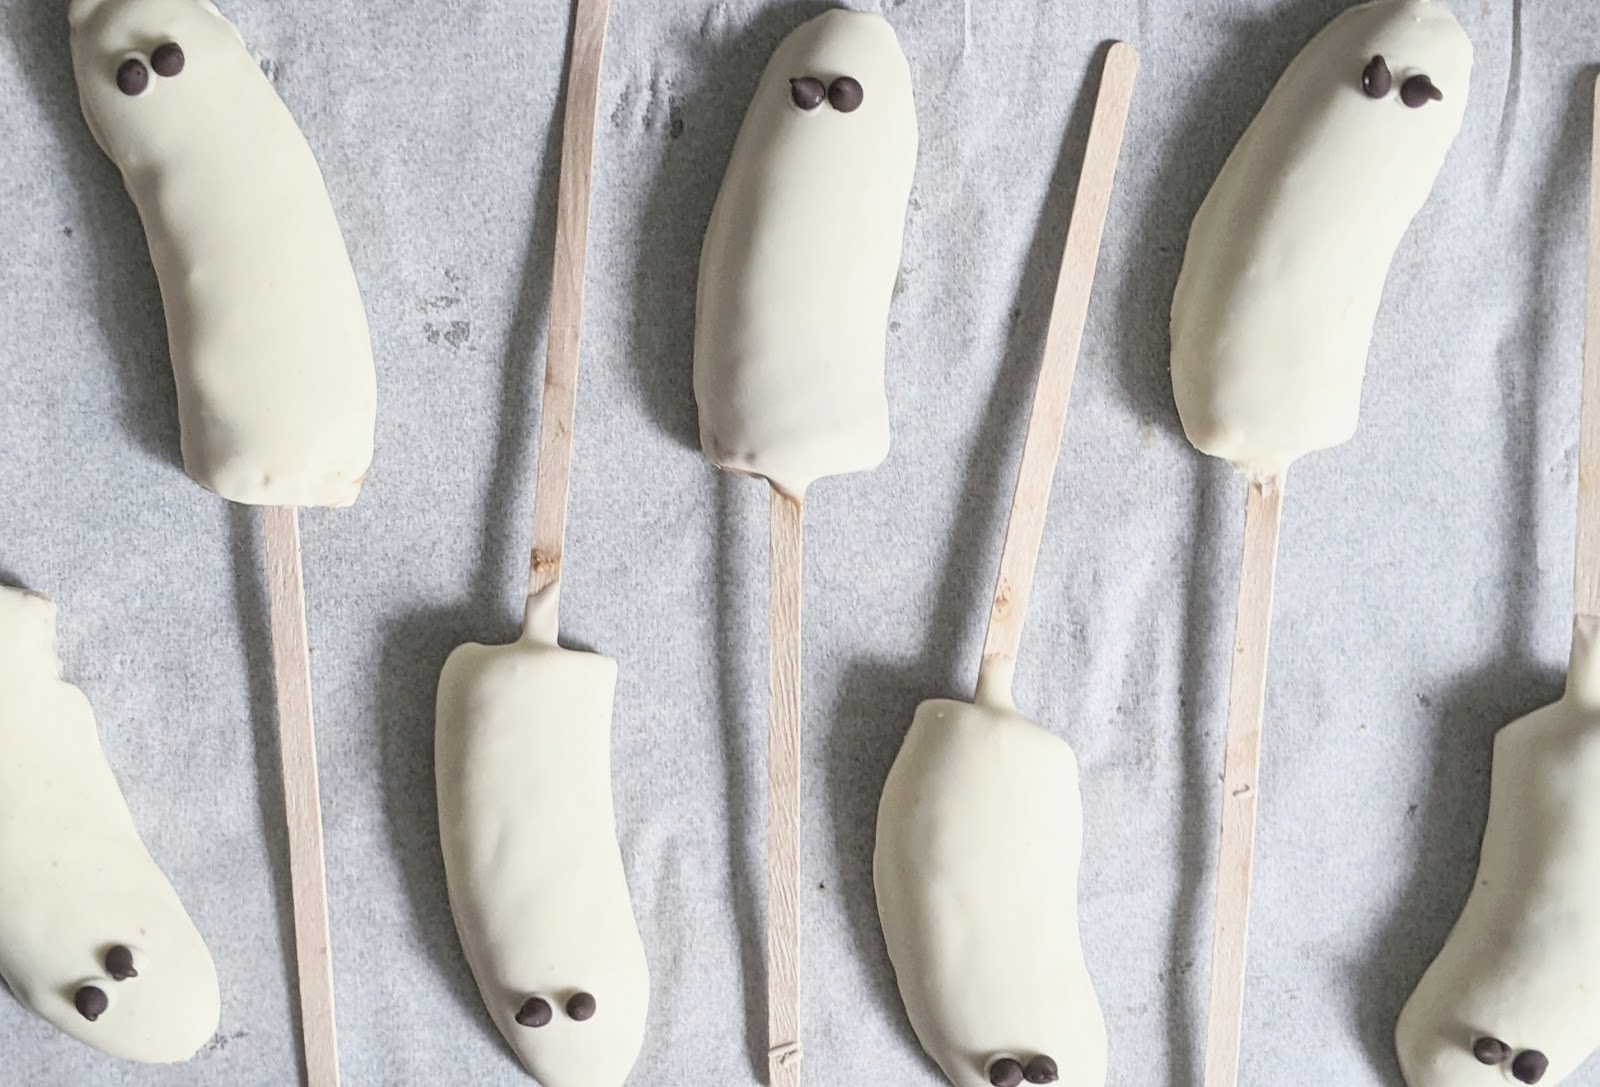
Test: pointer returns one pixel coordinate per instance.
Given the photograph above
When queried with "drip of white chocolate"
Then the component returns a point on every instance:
(537, 887)
(75, 878)
(1288, 254)
(800, 259)
(276, 388)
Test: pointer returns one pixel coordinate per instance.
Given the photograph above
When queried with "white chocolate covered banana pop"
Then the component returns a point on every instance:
(801, 255)
(537, 887)
(796, 276)
(980, 828)
(276, 387)
(523, 737)
(1271, 324)
(1288, 254)
(1515, 992)
(92, 936)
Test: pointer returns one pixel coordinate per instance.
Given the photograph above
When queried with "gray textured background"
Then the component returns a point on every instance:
(1423, 586)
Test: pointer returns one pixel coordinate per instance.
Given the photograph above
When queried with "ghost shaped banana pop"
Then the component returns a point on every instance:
(1514, 995)
(92, 936)
(800, 258)
(537, 887)
(277, 395)
(1288, 255)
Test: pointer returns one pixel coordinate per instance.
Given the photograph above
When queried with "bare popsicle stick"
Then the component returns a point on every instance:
(783, 791)
(1241, 771)
(1042, 446)
(1586, 576)
(302, 803)
(558, 409)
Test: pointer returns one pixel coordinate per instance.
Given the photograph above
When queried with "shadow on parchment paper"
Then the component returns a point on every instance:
(1208, 615)
(1237, 81)
(699, 142)
(739, 578)
(874, 707)
(126, 299)
(415, 646)
(1452, 816)
(249, 577)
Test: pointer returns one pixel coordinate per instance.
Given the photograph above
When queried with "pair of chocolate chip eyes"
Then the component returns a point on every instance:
(843, 94)
(133, 75)
(536, 1010)
(1417, 91)
(1529, 1066)
(91, 1001)
(1009, 1072)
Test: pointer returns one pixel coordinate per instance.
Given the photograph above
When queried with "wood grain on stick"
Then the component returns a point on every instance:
(302, 803)
(1586, 578)
(783, 791)
(558, 408)
(1241, 771)
(1068, 312)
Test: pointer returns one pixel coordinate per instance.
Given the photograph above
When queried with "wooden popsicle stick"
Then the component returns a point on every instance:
(559, 406)
(1241, 771)
(1042, 446)
(302, 803)
(783, 791)
(1586, 561)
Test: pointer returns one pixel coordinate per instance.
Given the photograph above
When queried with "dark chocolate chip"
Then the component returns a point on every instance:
(535, 1012)
(580, 1007)
(132, 77)
(1419, 91)
(807, 93)
(1375, 78)
(1005, 1072)
(91, 1002)
(1490, 1050)
(1041, 1070)
(845, 94)
(167, 60)
(1530, 1066)
(119, 964)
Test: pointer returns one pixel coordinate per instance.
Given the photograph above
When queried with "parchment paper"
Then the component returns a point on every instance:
(1423, 588)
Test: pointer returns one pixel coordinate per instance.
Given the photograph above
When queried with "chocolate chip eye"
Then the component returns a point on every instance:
(1419, 91)
(535, 1012)
(1041, 1070)
(1530, 1066)
(119, 964)
(1490, 1050)
(167, 60)
(90, 1002)
(1005, 1072)
(845, 94)
(581, 1007)
(132, 77)
(807, 93)
(1375, 78)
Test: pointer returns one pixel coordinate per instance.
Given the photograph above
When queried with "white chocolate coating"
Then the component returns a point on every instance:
(75, 879)
(537, 887)
(980, 834)
(800, 259)
(1288, 254)
(276, 388)
(1522, 964)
